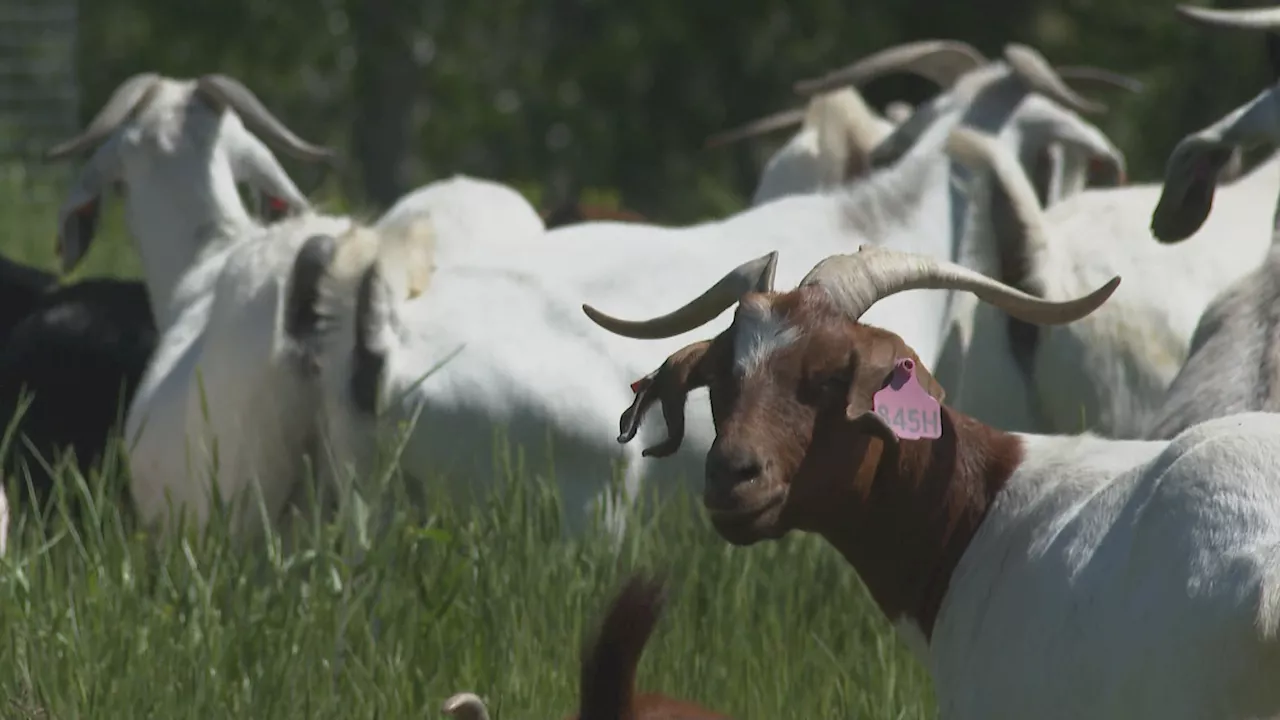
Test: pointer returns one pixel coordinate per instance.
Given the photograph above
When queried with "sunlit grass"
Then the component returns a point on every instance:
(101, 621)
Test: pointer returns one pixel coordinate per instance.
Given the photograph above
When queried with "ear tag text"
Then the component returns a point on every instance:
(905, 407)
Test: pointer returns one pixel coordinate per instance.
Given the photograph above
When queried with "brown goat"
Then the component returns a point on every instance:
(609, 660)
(795, 385)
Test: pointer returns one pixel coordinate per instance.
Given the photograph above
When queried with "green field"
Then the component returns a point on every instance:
(100, 623)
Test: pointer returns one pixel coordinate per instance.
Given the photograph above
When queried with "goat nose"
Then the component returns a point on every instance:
(728, 467)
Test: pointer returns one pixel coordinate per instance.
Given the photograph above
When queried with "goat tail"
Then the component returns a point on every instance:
(610, 659)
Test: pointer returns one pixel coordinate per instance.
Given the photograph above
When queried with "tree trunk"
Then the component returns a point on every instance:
(384, 84)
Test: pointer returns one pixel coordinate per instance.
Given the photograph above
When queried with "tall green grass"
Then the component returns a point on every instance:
(99, 620)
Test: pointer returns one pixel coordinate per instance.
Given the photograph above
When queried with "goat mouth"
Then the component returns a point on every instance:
(740, 515)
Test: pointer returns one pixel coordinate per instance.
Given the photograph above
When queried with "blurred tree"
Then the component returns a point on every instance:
(563, 95)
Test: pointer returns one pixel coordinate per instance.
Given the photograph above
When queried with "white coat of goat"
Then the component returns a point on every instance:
(1110, 371)
(1233, 363)
(528, 360)
(216, 277)
(839, 132)
(468, 215)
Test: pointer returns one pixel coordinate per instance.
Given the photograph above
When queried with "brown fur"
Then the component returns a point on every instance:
(798, 448)
(609, 661)
(573, 212)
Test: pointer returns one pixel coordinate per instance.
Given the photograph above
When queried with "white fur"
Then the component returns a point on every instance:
(1109, 371)
(760, 333)
(1122, 579)
(838, 124)
(224, 381)
(469, 215)
(215, 279)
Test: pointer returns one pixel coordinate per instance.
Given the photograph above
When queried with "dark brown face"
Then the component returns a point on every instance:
(791, 383)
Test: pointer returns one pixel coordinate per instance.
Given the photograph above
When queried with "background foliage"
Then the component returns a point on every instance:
(558, 94)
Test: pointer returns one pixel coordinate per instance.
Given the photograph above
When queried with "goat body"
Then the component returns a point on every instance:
(180, 147)
(80, 352)
(1234, 360)
(1035, 576)
(1110, 371)
(21, 288)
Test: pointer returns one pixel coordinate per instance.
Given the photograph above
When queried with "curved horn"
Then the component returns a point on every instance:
(465, 706)
(759, 126)
(1040, 75)
(1099, 77)
(858, 280)
(1241, 19)
(752, 276)
(939, 61)
(229, 92)
(127, 97)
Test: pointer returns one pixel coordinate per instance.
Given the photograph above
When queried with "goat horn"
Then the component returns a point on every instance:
(752, 276)
(940, 61)
(465, 706)
(1040, 75)
(1243, 19)
(229, 92)
(858, 280)
(759, 126)
(1100, 77)
(127, 98)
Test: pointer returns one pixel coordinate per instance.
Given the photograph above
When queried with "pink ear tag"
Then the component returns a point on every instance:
(905, 407)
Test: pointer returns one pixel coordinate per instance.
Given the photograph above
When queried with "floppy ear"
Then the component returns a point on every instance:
(669, 384)
(253, 163)
(81, 212)
(1191, 178)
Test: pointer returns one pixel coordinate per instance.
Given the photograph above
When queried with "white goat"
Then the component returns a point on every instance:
(837, 129)
(468, 215)
(1110, 371)
(530, 362)
(1234, 359)
(1034, 576)
(839, 132)
(217, 280)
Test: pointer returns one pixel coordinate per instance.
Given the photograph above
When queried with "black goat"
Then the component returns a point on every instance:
(79, 352)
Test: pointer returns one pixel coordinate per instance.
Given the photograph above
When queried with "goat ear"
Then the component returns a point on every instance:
(81, 212)
(79, 228)
(1190, 180)
(670, 384)
(304, 318)
(875, 368)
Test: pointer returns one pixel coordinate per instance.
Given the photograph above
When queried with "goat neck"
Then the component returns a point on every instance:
(201, 208)
(903, 519)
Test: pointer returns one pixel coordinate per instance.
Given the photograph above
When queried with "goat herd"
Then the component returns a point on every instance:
(1129, 571)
